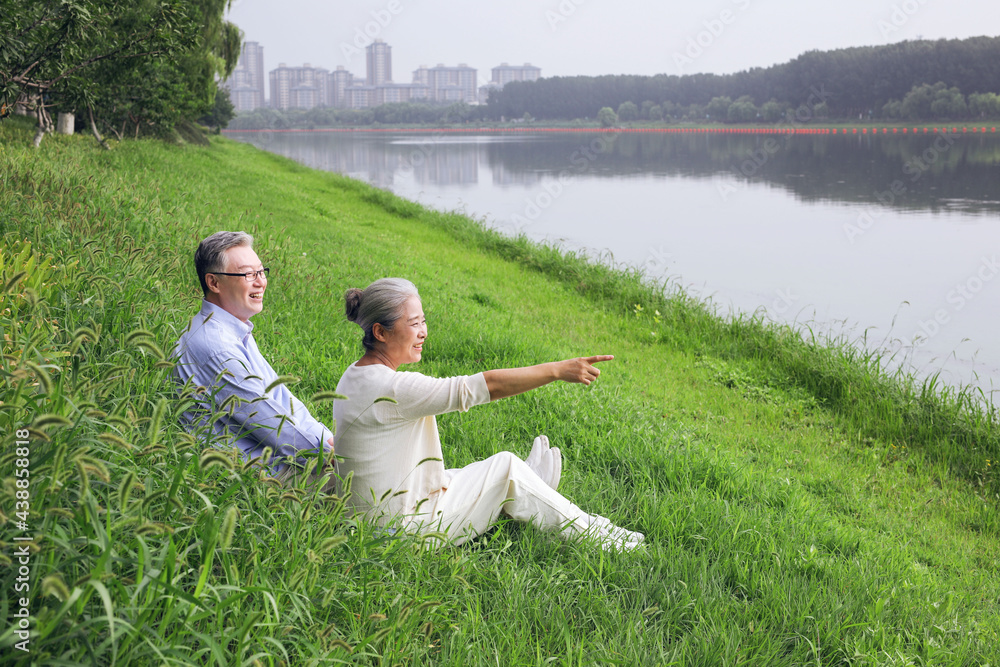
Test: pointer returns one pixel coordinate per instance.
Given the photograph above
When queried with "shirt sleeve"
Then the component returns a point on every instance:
(419, 395)
(309, 423)
(250, 414)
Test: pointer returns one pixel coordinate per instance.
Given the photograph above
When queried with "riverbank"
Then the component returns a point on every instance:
(798, 506)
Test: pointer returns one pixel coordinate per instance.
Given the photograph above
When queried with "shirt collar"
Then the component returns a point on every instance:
(227, 320)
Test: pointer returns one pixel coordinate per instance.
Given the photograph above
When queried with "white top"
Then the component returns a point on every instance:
(393, 449)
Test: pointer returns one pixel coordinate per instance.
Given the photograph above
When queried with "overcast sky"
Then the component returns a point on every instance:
(591, 37)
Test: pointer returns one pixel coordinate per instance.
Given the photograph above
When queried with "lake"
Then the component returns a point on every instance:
(892, 240)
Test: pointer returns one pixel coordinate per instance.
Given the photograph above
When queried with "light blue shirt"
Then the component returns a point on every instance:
(218, 352)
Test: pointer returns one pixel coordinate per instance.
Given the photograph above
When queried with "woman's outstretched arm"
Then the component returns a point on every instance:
(504, 382)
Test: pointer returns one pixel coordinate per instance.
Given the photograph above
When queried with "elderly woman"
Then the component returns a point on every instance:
(387, 434)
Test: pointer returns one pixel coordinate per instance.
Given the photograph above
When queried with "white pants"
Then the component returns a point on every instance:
(474, 497)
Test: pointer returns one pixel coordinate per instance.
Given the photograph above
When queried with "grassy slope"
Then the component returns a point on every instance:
(783, 528)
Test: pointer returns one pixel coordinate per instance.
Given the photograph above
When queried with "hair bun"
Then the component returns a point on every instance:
(352, 300)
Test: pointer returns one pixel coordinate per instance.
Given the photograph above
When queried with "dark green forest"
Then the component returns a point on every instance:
(853, 83)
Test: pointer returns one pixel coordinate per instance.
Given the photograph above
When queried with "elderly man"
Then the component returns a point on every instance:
(218, 352)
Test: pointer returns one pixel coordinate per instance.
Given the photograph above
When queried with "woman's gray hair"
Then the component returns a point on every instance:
(208, 258)
(380, 302)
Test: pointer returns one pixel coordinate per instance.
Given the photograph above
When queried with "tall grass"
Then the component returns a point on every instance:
(776, 534)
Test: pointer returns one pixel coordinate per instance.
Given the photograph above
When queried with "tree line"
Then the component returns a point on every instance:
(402, 113)
(922, 103)
(128, 68)
(852, 83)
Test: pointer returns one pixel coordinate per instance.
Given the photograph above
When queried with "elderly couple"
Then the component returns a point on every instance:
(390, 446)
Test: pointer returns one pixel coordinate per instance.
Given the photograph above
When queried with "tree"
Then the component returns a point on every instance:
(627, 111)
(916, 105)
(949, 103)
(655, 112)
(742, 110)
(851, 82)
(51, 49)
(771, 111)
(984, 105)
(459, 112)
(892, 109)
(607, 117)
(164, 94)
(718, 108)
(222, 111)
(146, 62)
(696, 112)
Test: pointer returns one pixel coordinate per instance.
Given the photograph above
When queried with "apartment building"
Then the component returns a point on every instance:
(504, 74)
(246, 84)
(299, 87)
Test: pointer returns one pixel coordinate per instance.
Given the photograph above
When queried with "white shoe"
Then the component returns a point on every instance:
(545, 461)
(612, 537)
(538, 452)
(555, 467)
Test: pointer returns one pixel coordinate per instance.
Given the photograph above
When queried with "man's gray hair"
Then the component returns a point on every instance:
(380, 302)
(209, 256)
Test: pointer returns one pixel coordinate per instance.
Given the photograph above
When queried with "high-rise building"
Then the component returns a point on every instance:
(299, 87)
(390, 93)
(504, 74)
(436, 84)
(246, 84)
(361, 97)
(378, 87)
(340, 81)
(450, 84)
(378, 58)
(421, 75)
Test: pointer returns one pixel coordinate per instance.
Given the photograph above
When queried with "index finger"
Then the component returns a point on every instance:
(598, 358)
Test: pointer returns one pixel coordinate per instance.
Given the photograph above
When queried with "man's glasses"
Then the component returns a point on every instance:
(250, 276)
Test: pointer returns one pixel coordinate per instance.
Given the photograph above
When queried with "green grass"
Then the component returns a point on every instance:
(801, 506)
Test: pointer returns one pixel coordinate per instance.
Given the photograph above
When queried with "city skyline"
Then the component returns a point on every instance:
(306, 86)
(587, 37)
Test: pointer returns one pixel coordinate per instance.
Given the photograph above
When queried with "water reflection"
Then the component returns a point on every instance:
(377, 162)
(927, 173)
